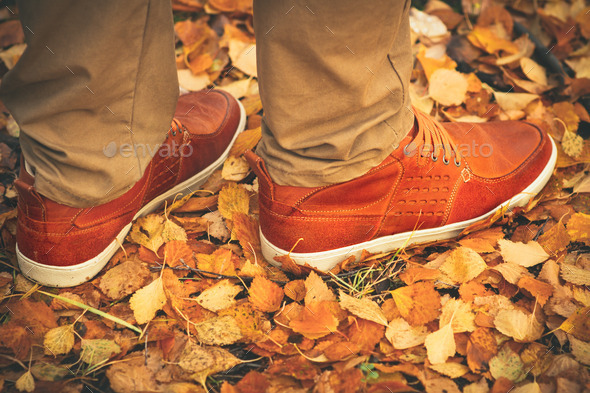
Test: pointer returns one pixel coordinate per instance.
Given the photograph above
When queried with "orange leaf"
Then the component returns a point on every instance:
(365, 334)
(199, 204)
(481, 347)
(316, 320)
(177, 250)
(265, 295)
(246, 141)
(418, 303)
(411, 275)
(219, 262)
(245, 229)
(295, 290)
(540, 290)
(317, 290)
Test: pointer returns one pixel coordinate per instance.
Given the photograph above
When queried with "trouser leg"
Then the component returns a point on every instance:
(333, 79)
(96, 79)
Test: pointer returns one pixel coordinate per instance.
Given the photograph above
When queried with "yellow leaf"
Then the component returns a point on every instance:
(440, 345)
(233, 199)
(511, 271)
(578, 324)
(463, 264)
(461, 315)
(578, 227)
(147, 231)
(235, 168)
(522, 327)
(219, 297)
(25, 383)
(147, 301)
(531, 387)
(403, 336)
(448, 87)
(363, 308)
(59, 340)
(574, 274)
(222, 330)
(451, 369)
(527, 255)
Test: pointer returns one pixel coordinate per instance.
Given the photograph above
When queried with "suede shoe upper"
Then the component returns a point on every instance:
(54, 234)
(439, 175)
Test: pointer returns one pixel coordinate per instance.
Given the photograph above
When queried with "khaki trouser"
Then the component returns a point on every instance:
(97, 76)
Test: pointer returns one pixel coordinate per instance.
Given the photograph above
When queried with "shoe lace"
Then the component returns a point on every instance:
(432, 138)
(175, 127)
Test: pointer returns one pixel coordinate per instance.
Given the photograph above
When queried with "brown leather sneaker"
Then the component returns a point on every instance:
(62, 246)
(437, 182)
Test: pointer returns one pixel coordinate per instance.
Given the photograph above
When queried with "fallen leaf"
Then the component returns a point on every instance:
(448, 87)
(533, 71)
(202, 361)
(539, 289)
(578, 324)
(507, 364)
(246, 230)
(295, 290)
(580, 350)
(514, 101)
(265, 295)
(235, 168)
(511, 271)
(316, 320)
(574, 274)
(59, 340)
(440, 345)
(233, 199)
(147, 301)
(124, 279)
(317, 290)
(418, 303)
(578, 227)
(403, 336)
(219, 297)
(25, 383)
(247, 140)
(519, 325)
(451, 369)
(463, 264)
(459, 314)
(220, 262)
(97, 351)
(481, 347)
(527, 255)
(222, 330)
(363, 308)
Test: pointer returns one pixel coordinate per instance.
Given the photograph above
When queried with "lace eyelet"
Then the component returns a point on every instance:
(173, 133)
(445, 161)
(406, 152)
(457, 163)
(434, 158)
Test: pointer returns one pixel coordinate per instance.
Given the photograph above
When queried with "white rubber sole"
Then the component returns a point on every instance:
(68, 276)
(326, 260)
